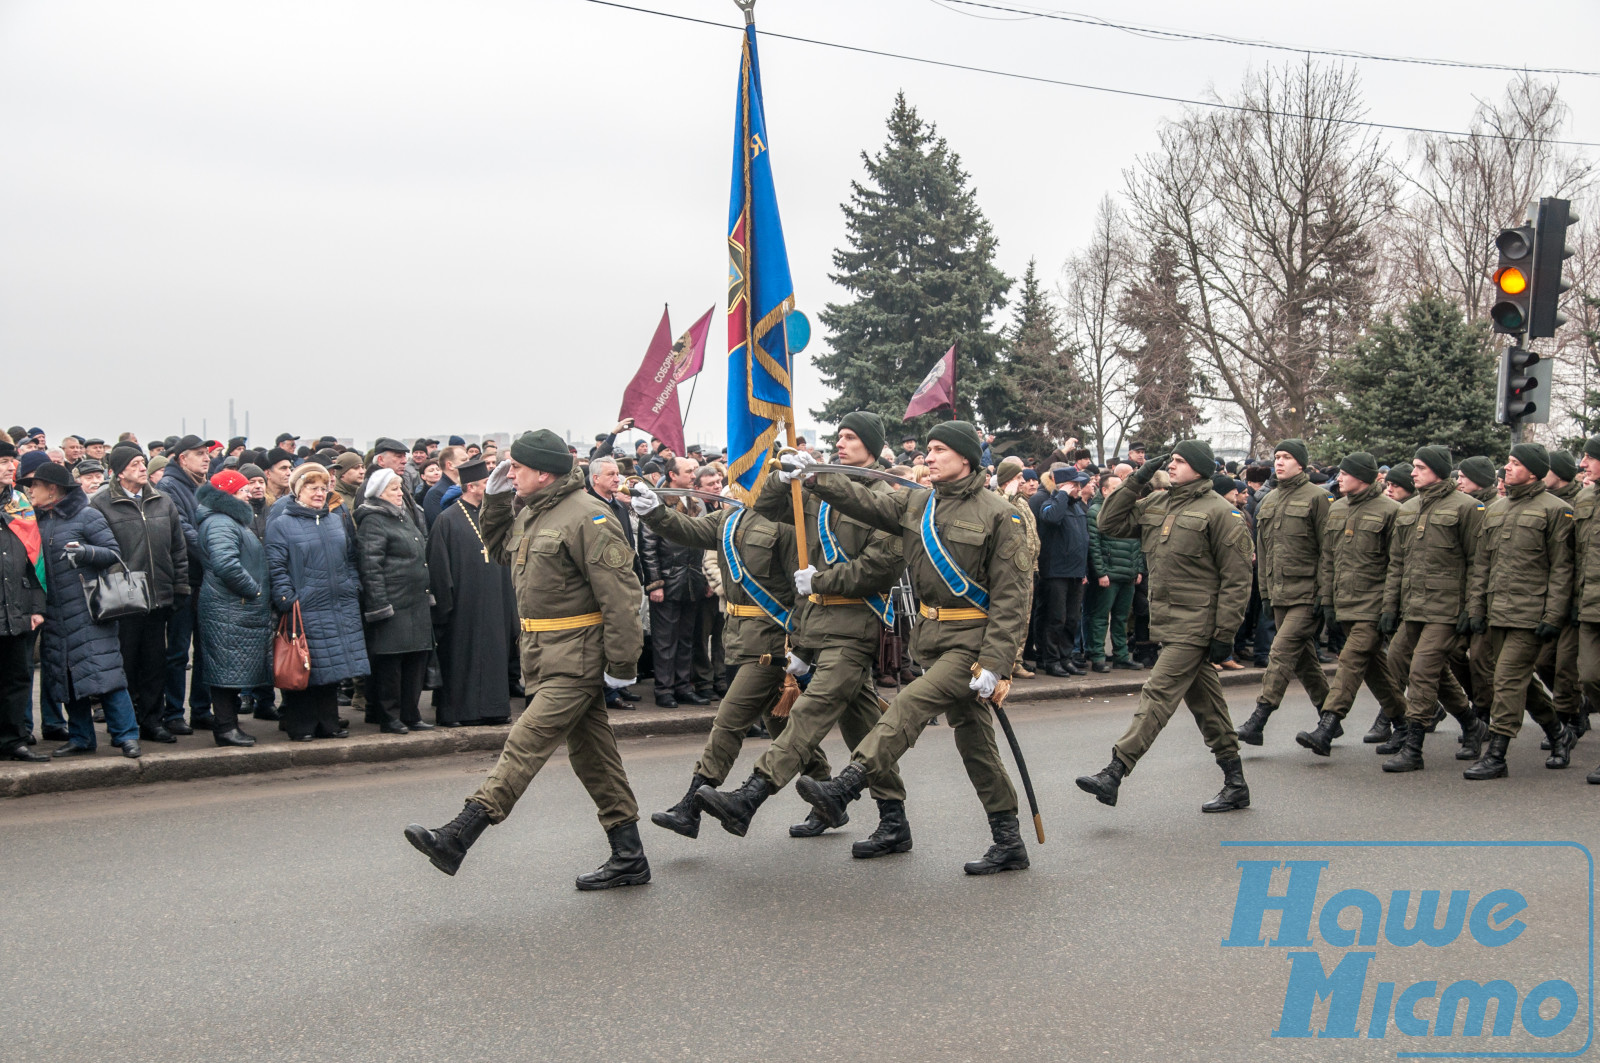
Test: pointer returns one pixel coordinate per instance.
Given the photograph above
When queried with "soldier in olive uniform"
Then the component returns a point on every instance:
(1425, 604)
(579, 600)
(1558, 661)
(844, 588)
(1586, 584)
(1476, 478)
(1355, 560)
(1008, 481)
(1520, 597)
(967, 553)
(756, 566)
(1289, 525)
(1197, 552)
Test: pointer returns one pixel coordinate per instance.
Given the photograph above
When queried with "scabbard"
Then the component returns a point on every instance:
(1022, 769)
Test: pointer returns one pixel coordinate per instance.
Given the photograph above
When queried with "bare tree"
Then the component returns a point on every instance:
(1464, 190)
(1093, 283)
(1270, 208)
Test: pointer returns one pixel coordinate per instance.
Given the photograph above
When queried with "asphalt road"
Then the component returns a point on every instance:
(283, 918)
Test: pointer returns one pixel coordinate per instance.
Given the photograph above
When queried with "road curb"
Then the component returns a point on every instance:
(24, 780)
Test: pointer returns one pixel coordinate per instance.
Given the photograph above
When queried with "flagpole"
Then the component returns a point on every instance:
(690, 404)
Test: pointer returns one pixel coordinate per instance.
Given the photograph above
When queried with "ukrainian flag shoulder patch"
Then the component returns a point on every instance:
(1016, 518)
(598, 518)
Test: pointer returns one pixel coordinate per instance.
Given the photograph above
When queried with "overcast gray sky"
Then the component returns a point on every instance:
(388, 217)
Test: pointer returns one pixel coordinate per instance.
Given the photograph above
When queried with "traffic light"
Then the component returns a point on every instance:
(1513, 280)
(1550, 250)
(1524, 396)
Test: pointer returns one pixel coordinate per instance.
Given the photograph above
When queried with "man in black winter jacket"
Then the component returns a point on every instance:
(183, 477)
(675, 582)
(150, 534)
(22, 604)
(1063, 522)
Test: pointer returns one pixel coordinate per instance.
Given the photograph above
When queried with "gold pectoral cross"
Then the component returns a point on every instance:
(485, 552)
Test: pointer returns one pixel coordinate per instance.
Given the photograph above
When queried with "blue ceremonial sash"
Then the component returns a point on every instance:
(959, 582)
(747, 583)
(834, 554)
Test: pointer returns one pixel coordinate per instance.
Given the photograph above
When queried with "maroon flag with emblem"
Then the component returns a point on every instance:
(652, 395)
(937, 390)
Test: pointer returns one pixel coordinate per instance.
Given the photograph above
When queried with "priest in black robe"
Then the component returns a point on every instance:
(474, 613)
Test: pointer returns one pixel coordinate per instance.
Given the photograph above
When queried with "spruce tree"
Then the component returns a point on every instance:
(1427, 376)
(920, 269)
(1040, 400)
(1165, 379)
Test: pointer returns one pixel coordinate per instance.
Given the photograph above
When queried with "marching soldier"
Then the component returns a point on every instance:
(1586, 585)
(968, 559)
(1425, 606)
(579, 600)
(1520, 597)
(1197, 551)
(1475, 477)
(757, 558)
(850, 569)
(1289, 526)
(1355, 560)
(1558, 661)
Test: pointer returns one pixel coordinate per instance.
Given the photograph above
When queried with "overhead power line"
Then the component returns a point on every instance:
(1211, 104)
(1245, 42)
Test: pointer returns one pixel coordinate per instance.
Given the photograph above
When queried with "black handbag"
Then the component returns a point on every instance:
(115, 593)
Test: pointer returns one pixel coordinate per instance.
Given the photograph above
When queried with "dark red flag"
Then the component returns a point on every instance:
(937, 390)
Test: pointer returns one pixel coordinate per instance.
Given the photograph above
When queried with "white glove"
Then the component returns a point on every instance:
(616, 684)
(984, 683)
(794, 465)
(795, 666)
(803, 578)
(644, 499)
(499, 481)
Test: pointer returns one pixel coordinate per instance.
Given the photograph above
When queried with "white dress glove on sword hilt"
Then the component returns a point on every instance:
(795, 666)
(644, 500)
(794, 465)
(984, 683)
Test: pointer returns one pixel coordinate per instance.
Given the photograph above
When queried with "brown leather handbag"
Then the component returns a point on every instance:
(291, 657)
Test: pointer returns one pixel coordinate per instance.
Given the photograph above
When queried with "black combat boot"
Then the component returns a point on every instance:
(1492, 765)
(683, 817)
(1253, 730)
(812, 827)
(1438, 717)
(447, 846)
(892, 836)
(1234, 793)
(1409, 755)
(1474, 732)
(1593, 778)
(734, 810)
(1104, 784)
(627, 866)
(831, 798)
(1561, 736)
(1007, 853)
(1397, 738)
(1382, 727)
(1320, 740)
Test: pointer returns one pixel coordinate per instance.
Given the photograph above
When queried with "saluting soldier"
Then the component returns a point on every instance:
(1558, 661)
(843, 609)
(1197, 552)
(1520, 597)
(579, 603)
(757, 559)
(1355, 560)
(1289, 526)
(1425, 607)
(967, 554)
(1586, 583)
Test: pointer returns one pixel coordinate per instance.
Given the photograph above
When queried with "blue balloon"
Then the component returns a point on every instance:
(799, 330)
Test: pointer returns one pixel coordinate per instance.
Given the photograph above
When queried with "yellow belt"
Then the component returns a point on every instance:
(746, 610)
(934, 612)
(834, 599)
(562, 623)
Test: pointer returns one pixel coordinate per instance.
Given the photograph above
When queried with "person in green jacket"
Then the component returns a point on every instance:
(1520, 597)
(1288, 556)
(1197, 551)
(1117, 565)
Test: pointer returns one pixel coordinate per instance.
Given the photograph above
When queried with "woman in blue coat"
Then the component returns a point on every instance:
(79, 658)
(311, 559)
(235, 612)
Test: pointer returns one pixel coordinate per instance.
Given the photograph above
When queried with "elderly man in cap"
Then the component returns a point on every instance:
(1289, 525)
(389, 453)
(94, 447)
(579, 604)
(1520, 597)
(1197, 552)
(22, 608)
(189, 468)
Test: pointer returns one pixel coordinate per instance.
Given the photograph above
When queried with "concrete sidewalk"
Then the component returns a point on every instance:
(197, 757)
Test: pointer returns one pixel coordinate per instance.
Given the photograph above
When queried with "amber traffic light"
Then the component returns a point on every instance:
(1512, 275)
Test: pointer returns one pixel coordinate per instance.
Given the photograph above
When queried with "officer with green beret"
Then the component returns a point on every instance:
(1355, 560)
(842, 606)
(579, 602)
(1558, 661)
(1586, 582)
(756, 557)
(967, 553)
(1197, 552)
(1520, 597)
(1289, 524)
(1425, 607)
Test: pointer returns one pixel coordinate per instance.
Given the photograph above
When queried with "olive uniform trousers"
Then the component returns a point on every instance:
(1294, 652)
(755, 689)
(1182, 672)
(1363, 660)
(1558, 667)
(1513, 655)
(1419, 665)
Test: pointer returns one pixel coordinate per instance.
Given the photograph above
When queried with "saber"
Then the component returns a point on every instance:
(689, 492)
(861, 472)
(1016, 753)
